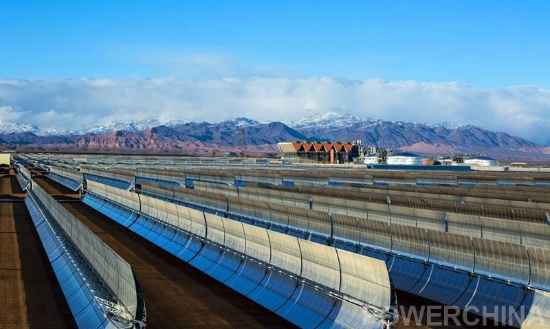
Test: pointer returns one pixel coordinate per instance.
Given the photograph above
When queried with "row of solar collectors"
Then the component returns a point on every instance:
(74, 179)
(300, 231)
(530, 197)
(470, 219)
(24, 172)
(308, 284)
(489, 225)
(121, 179)
(514, 231)
(453, 269)
(523, 211)
(139, 160)
(327, 223)
(90, 274)
(125, 179)
(145, 162)
(69, 177)
(322, 176)
(241, 177)
(118, 183)
(516, 210)
(447, 192)
(68, 182)
(84, 307)
(22, 181)
(480, 226)
(425, 197)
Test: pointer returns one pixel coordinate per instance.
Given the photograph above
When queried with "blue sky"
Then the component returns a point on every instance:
(80, 63)
(480, 43)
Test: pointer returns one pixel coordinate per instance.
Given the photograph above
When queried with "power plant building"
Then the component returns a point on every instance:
(320, 152)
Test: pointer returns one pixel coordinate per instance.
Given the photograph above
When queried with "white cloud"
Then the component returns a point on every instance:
(522, 111)
(10, 113)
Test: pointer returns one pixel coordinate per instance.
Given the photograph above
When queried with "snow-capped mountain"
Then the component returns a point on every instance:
(111, 126)
(315, 122)
(449, 125)
(15, 128)
(326, 120)
(131, 126)
(9, 127)
(213, 138)
(240, 122)
(141, 125)
(108, 127)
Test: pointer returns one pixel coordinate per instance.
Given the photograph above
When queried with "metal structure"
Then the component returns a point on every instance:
(118, 178)
(306, 283)
(68, 177)
(99, 285)
(462, 249)
(454, 269)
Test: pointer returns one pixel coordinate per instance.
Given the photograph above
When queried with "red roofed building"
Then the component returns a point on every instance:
(320, 152)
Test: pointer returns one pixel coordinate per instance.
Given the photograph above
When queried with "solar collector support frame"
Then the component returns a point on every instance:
(99, 286)
(231, 263)
(470, 284)
(521, 237)
(514, 231)
(70, 178)
(24, 177)
(80, 301)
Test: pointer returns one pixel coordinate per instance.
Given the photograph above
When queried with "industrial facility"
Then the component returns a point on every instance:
(481, 160)
(372, 156)
(302, 246)
(380, 158)
(320, 152)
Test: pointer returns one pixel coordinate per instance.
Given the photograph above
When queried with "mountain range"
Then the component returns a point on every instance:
(243, 135)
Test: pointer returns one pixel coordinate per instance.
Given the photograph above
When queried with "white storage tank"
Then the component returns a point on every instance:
(404, 158)
(481, 160)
